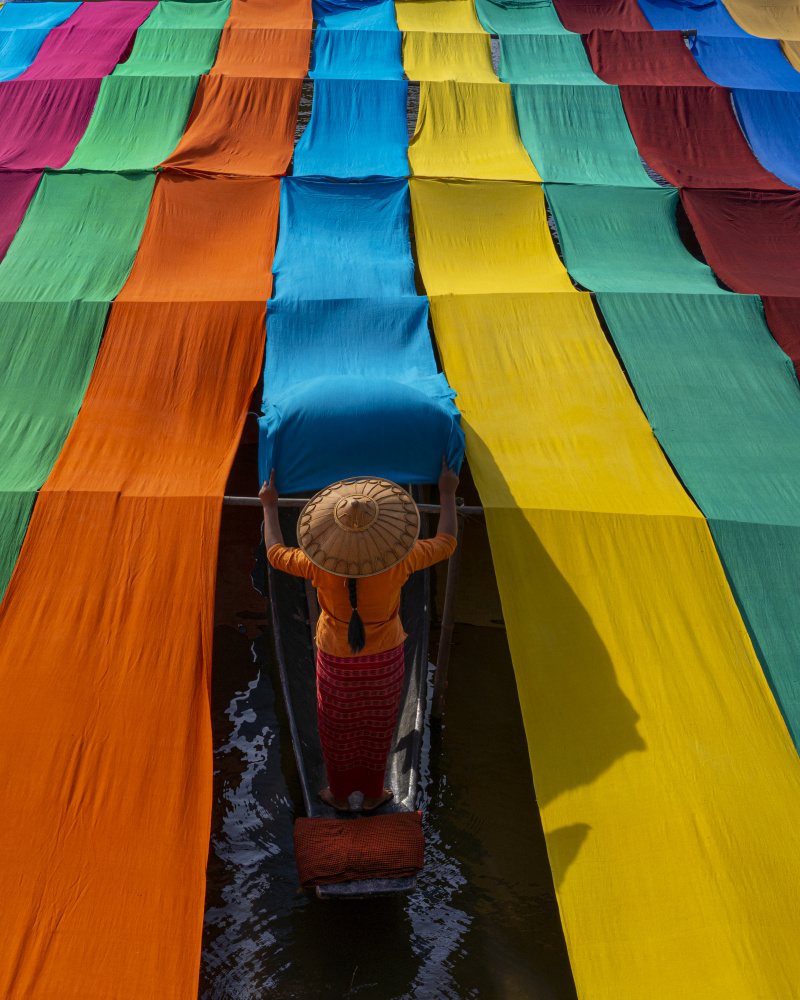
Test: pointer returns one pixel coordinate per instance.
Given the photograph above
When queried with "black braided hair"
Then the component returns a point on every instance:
(355, 630)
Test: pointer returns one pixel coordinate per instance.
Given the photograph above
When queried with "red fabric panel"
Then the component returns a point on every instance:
(690, 135)
(16, 191)
(750, 238)
(42, 121)
(340, 850)
(783, 319)
(647, 57)
(91, 42)
(583, 16)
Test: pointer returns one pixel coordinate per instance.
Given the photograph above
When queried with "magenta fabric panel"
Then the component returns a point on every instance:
(647, 57)
(41, 121)
(16, 191)
(91, 42)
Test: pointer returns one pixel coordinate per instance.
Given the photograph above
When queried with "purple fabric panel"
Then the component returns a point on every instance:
(91, 42)
(16, 191)
(41, 121)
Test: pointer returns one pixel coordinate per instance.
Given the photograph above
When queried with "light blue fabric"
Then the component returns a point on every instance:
(341, 14)
(340, 241)
(771, 121)
(511, 17)
(23, 29)
(356, 54)
(751, 63)
(545, 59)
(357, 129)
(708, 18)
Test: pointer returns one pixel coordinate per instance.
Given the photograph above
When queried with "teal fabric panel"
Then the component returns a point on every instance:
(578, 135)
(545, 59)
(617, 239)
(136, 123)
(724, 403)
(525, 17)
(178, 39)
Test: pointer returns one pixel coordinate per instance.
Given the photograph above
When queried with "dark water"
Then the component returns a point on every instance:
(483, 921)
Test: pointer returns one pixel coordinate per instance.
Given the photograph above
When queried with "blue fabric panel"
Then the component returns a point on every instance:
(771, 121)
(23, 29)
(343, 241)
(709, 18)
(751, 63)
(339, 14)
(358, 128)
(356, 54)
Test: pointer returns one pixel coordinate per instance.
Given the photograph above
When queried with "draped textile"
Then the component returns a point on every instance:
(468, 130)
(578, 135)
(746, 63)
(690, 135)
(646, 57)
(179, 38)
(766, 18)
(584, 15)
(356, 54)
(438, 15)
(41, 121)
(445, 55)
(750, 238)
(707, 17)
(116, 847)
(358, 128)
(545, 59)
(508, 17)
(352, 15)
(16, 191)
(91, 42)
(265, 38)
(723, 400)
(23, 29)
(770, 119)
(620, 239)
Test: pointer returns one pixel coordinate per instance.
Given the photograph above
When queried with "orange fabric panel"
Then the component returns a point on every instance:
(106, 626)
(265, 38)
(240, 125)
(270, 14)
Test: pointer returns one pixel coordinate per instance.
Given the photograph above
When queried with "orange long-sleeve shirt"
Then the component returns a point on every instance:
(378, 596)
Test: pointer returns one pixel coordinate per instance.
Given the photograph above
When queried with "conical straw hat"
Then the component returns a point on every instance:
(358, 527)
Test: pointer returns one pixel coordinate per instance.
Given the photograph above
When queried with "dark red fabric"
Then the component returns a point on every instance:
(42, 121)
(783, 319)
(91, 42)
(16, 191)
(583, 16)
(357, 702)
(750, 238)
(644, 57)
(340, 850)
(690, 135)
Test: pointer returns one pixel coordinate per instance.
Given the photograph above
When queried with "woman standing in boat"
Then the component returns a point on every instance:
(359, 543)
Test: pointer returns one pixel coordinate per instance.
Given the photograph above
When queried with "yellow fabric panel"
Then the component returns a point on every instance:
(767, 18)
(443, 55)
(437, 15)
(468, 130)
(484, 236)
(792, 52)
(667, 781)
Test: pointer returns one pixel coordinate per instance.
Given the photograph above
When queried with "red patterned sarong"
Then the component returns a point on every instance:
(357, 702)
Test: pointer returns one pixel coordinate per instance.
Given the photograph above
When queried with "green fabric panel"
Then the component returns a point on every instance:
(617, 239)
(507, 17)
(136, 123)
(545, 59)
(578, 135)
(178, 39)
(724, 402)
(78, 238)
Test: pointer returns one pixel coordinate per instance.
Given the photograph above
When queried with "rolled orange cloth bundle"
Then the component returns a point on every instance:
(340, 850)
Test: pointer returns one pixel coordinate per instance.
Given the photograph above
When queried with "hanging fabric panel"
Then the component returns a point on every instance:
(690, 135)
(767, 19)
(359, 44)
(16, 191)
(23, 29)
(750, 238)
(438, 15)
(180, 38)
(646, 57)
(508, 17)
(441, 55)
(783, 319)
(584, 15)
(265, 38)
(748, 63)
(578, 135)
(358, 128)
(41, 121)
(770, 120)
(625, 239)
(707, 17)
(468, 130)
(545, 59)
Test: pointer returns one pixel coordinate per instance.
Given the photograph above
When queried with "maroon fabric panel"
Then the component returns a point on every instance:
(750, 238)
(16, 191)
(783, 319)
(41, 121)
(583, 16)
(91, 42)
(647, 57)
(690, 135)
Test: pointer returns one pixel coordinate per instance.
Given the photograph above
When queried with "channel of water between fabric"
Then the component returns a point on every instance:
(23, 29)
(650, 724)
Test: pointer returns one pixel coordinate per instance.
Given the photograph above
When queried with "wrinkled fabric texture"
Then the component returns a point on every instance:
(265, 38)
(766, 18)
(783, 318)
(746, 63)
(23, 29)
(545, 59)
(708, 17)
(584, 15)
(42, 121)
(508, 17)
(646, 57)
(445, 55)
(16, 191)
(178, 39)
(770, 120)
(358, 54)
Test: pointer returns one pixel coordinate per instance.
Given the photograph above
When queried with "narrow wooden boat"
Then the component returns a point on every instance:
(294, 614)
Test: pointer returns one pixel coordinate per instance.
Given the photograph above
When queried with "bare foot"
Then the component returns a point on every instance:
(370, 805)
(340, 805)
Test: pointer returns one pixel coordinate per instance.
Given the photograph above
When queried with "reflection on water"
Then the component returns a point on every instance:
(483, 921)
